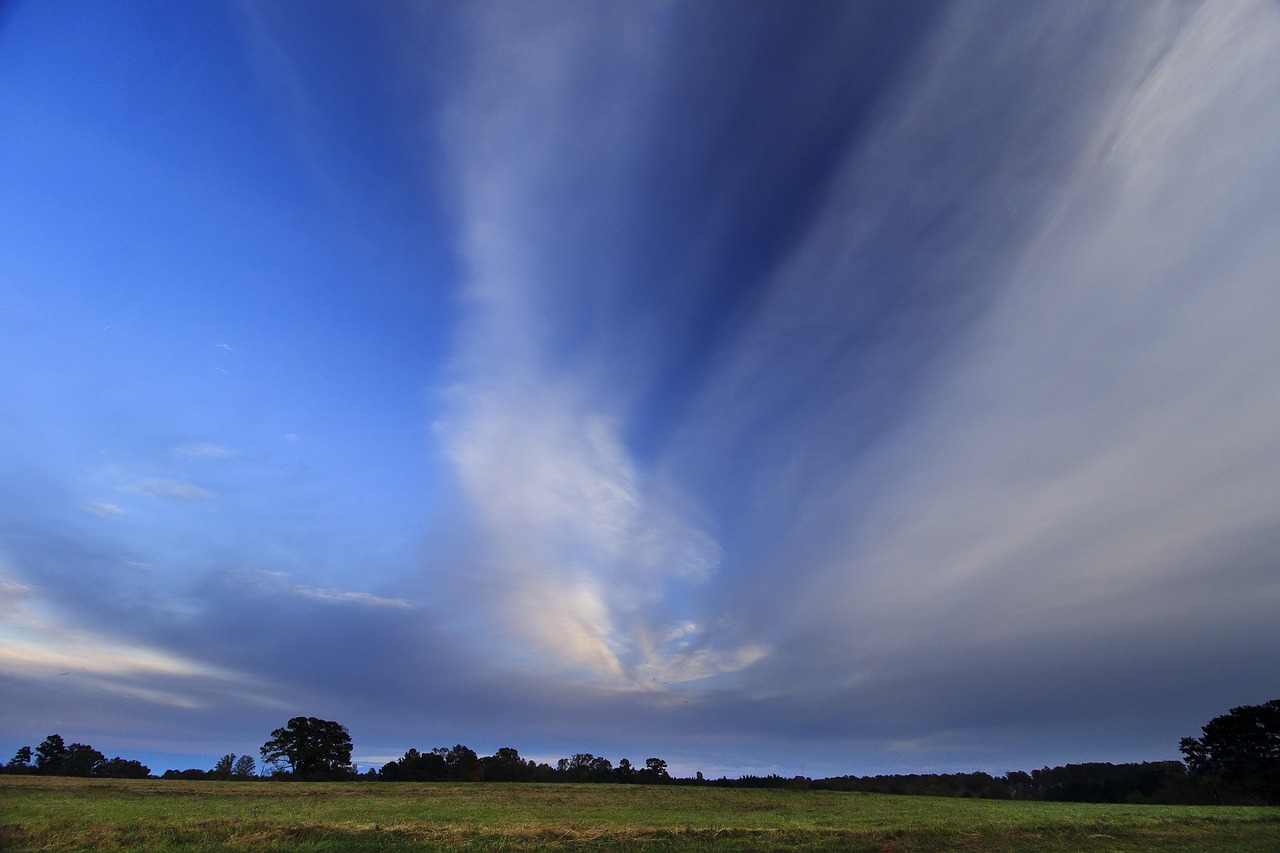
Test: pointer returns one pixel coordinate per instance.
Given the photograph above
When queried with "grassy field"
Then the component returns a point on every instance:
(76, 814)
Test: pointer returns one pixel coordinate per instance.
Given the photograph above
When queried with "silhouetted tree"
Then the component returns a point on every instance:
(578, 768)
(600, 769)
(463, 763)
(51, 756)
(655, 770)
(311, 749)
(83, 760)
(222, 770)
(416, 766)
(1239, 752)
(21, 761)
(1020, 785)
(244, 768)
(190, 774)
(120, 768)
(506, 765)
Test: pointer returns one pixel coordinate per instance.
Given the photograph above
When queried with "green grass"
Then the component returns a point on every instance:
(78, 814)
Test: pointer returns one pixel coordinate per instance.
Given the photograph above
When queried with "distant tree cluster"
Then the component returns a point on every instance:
(461, 764)
(978, 785)
(54, 757)
(1148, 782)
(454, 764)
(229, 767)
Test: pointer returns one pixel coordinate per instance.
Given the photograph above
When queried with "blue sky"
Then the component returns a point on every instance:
(803, 388)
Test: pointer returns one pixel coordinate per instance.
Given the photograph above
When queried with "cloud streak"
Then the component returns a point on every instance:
(170, 490)
(587, 547)
(364, 598)
(203, 450)
(102, 508)
(38, 644)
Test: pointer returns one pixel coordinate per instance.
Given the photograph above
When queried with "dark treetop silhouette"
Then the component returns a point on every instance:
(1239, 753)
(310, 748)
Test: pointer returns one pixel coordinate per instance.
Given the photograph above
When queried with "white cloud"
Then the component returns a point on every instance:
(584, 545)
(14, 594)
(681, 658)
(173, 490)
(582, 542)
(363, 598)
(203, 450)
(103, 508)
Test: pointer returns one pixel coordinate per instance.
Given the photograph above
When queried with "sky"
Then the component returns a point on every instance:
(805, 388)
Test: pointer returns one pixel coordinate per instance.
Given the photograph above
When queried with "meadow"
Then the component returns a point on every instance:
(48, 813)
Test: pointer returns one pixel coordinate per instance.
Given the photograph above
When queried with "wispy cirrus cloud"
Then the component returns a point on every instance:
(584, 544)
(39, 644)
(171, 490)
(102, 508)
(202, 450)
(363, 598)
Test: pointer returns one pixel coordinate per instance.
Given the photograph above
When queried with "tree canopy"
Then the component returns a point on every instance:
(310, 748)
(1240, 751)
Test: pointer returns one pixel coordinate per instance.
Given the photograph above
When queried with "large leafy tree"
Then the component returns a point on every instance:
(1240, 751)
(310, 748)
(51, 756)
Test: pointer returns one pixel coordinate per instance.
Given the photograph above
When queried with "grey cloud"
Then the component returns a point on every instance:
(1094, 457)
(981, 394)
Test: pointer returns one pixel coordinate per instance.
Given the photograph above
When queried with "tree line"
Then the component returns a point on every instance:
(53, 757)
(1236, 760)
